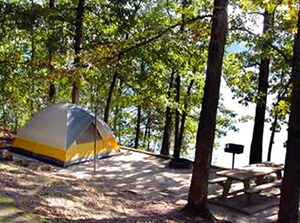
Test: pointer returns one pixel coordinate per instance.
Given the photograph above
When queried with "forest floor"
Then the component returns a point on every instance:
(128, 187)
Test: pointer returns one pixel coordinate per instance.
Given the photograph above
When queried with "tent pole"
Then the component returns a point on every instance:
(95, 139)
(95, 129)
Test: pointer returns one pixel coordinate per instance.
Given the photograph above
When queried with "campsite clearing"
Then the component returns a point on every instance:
(130, 187)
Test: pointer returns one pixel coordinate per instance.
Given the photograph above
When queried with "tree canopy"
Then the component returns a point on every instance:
(143, 64)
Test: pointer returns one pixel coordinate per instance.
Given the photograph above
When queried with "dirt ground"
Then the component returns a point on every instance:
(129, 187)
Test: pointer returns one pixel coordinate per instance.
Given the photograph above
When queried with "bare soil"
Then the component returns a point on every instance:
(129, 187)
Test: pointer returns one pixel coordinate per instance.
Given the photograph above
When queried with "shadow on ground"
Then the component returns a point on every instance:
(130, 187)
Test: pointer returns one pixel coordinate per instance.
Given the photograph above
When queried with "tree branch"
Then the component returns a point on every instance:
(285, 56)
(146, 41)
(255, 13)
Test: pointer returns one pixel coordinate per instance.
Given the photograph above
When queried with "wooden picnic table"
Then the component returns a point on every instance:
(247, 173)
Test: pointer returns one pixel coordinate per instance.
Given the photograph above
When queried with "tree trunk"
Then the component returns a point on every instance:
(289, 200)
(148, 137)
(177, 148)
(274, 124)
(118, 114)
(32, 67)
(52, 89)
(52, 93)
(176, 153)
(146, 132)
(184, 114)
(259, 121)
(165, 148)
(272, 136)
(109, 98)
(197, 199)
(149, 132)
(138, 125)
(51, 4)
(78, 46)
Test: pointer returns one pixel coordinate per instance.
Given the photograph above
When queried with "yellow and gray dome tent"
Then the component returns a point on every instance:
(64, 134)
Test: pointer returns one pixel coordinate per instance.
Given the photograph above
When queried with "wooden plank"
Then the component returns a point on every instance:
(219, 180)
(259, 188)
(248, 172)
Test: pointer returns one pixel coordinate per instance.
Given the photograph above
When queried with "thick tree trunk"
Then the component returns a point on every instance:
(184, 114)
(289, 201)
(78, 46)
(109, 98)
(138, 127)
(197, 199)
(272, 137)
(165, 148)
(259, 121)
(176, 153)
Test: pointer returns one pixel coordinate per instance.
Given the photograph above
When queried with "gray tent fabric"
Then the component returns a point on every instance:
(78, 120)
(47, 127)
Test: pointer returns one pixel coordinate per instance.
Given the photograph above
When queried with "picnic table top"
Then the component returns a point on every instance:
(249, 172)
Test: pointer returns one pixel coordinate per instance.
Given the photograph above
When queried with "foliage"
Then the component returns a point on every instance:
(140, 41)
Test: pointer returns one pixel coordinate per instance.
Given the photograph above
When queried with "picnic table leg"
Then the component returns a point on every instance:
(247, 186)
(279, 175)
(226, 188)
(259, 180)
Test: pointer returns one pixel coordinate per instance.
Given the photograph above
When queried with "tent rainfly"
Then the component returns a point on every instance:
(64, 134)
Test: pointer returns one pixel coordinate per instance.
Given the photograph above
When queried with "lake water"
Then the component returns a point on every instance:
(244, 136)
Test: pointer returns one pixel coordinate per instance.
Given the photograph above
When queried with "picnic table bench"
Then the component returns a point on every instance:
(261, 187)
(248, 173)
(220, 180)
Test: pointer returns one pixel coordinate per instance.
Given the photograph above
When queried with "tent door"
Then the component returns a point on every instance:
(88, 135)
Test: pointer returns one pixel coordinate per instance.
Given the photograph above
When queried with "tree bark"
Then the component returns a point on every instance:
(32, 67)
(184, 114)
(274, 124)
(109, 98)
(138, 127)
(51, 4)
(272, 137)
(177, 148)
(52, 89)
(176, 153)
(148, 137)
(78, 46)
(197, 199)
(146, 132)
(289, 200)
(165, 148)
(259, 121)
